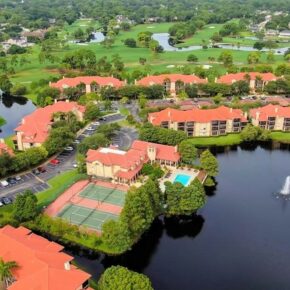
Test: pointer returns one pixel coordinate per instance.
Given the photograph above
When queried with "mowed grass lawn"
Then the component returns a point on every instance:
(227, 140)
(34, 70)
(280, 137)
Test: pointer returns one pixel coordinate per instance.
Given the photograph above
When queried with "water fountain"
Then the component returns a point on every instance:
(286, 187)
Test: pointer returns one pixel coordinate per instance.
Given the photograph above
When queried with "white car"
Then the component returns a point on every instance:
(18, 178)
(76, 141)
(69, 148)
(1, 204)
(4, 183)
(96, 123)
(91, 129)
(75, 165)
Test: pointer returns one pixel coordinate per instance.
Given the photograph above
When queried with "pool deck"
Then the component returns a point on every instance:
(193, 173)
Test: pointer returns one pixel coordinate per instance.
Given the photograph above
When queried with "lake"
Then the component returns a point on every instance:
(13, 109)
(163, 39)
(239, 240)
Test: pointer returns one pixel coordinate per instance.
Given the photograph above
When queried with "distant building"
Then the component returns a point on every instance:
(41, 264)
(172, 83)
(87, 84)
(125, 166)
(255, 80)
(39, 33)
(271, 32)
(198, 122)
(4, 148)
(34, 128)
(271, 117)
(284, 33)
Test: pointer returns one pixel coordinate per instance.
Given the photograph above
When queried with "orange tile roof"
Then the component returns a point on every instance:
(40, 262)
(231, 78)
(35, 127)
(87, 80)
(159, 79)
(196, 115)
(270, 110)
(132, 160)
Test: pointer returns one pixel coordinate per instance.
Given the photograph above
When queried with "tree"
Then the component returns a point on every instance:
(25, 207)
(93, 142)
(120, 278)
(209, 163)
(253, 57)
(18, 90)
(6, 268)
(192, 58)
(143, 38)
(216, 37)
(5, 84)
(191, 90)
(116, 236)
(130, 42)
(252, 133)
(226, 57)
(5, 163)
(92, 112)
(259, 45)
(240, 88)
(187, 151)
(270, 57)
(155, 47)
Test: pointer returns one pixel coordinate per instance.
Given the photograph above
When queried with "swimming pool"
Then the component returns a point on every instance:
(182, 178)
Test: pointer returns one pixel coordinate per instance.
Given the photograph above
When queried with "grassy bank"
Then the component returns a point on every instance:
(58, 185)
(227, 140)
(282, 137)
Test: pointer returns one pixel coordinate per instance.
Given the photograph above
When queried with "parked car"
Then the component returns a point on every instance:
(11, 180)
(75, 165)
(69, 148)
(35, 171)
(76, 141)
(1, 204)
(6, 200)
(96, 123)
(102, 119)
(18, 178)
(54, 161)
(4, 183)
(41, 169)
(91, 128)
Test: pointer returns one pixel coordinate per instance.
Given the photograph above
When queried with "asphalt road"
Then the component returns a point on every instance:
(36, 183)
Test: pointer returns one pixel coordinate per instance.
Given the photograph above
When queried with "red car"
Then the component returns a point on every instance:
(54, 161)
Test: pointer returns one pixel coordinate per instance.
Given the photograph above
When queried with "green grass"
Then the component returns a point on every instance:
(282, 137)
(124, 111)
(227, 140)
(6, 214)
(58, 185)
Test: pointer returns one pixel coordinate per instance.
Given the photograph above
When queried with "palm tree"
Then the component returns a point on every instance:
(6, 277)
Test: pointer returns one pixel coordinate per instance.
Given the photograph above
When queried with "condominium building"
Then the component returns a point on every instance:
(41, 264)
(34, 128)
(271, 117)
(87, 84)
(172, 83)
(197, 122)
(256, 80)
(125, 166)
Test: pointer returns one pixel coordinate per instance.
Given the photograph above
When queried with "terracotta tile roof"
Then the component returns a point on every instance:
(270, 110)
(131, 161)
(40, 262)
(159, 79)
(196, 115)
(231, 78)
(87, 80)
(35, 127)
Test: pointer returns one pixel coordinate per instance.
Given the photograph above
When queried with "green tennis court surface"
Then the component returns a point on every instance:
(84, 216)
(104, 194)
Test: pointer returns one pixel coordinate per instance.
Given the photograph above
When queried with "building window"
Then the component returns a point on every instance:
(166, 85)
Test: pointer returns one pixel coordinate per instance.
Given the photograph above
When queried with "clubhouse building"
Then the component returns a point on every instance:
(87, 84)
(271, 117)
(172, 83)
(42, 265)
(198, 122)
(125, 166)
(257, 81)
(34, 128)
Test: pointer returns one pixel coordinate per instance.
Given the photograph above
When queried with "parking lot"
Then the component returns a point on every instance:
(37, 181)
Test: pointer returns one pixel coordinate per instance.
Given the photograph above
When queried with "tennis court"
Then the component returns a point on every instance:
(84, 216)
(104, 194)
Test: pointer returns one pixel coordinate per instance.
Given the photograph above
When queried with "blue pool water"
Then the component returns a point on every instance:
(182, 178)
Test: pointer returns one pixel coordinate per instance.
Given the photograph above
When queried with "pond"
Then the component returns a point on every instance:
(13, 109)
(163, 39)
(239, 240)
